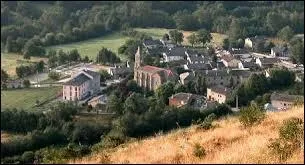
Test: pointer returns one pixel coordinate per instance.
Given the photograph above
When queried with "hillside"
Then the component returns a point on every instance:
(227, 143)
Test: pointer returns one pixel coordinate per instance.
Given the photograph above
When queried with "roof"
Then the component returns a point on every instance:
(102, 98)
(214, 64)
(186, 75)
(152, 42)
(285, 97)
(78, 80)
(212, 73)
(257, 38)
(185, 97)
(194, 58)
(239, 72)
(203, 66)
(91, 73)
(269, 60)
(280, 49)
(239, 51)
(227, 58)
(176, 51)
(156, 51)
(248, 64)
(221, 89)
(151, 69)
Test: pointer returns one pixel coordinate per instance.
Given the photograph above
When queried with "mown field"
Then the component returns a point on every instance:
(9, 62)
(91, 47)
(26, 98)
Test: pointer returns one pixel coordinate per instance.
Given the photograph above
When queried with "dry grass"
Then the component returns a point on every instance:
(228, 143)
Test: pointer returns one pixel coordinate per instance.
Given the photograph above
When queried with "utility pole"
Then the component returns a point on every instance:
(236, 102)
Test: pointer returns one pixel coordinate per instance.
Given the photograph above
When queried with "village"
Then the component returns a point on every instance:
(81, 81)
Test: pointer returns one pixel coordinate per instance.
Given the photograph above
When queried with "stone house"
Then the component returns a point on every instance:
(251, 42)
(247, 65)
(279, 51)
(229, 61)
(224, 77)
(174, 54)
(81, 85)
(120, 71)
(266, 62)
(190, 100)
(150, 77)
(284, 101)
(102, 100)
(218, 93)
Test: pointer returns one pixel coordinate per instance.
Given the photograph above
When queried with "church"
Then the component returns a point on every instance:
(150, 77)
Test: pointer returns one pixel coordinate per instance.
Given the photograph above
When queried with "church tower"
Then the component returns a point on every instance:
(137, 61)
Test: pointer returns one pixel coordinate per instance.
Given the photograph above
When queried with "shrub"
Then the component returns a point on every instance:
(26, 83)
(251, 115)
(291, 138)
(27, 157)
(54, 75)
(207, 122)
(199, 151)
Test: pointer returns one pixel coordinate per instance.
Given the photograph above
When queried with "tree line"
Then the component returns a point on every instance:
(63, 22)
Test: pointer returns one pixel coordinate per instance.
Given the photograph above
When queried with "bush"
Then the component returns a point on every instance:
(291, 138)
(27, 157)
(26, 83)
(251, 115)
(199, 151)
(207, 123)
(54, 75)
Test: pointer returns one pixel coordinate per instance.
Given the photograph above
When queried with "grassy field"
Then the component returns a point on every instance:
(26, 98)
(9, 62)
(227, 143)
(91, 47)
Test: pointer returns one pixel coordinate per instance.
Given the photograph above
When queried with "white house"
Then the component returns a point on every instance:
(174, 54)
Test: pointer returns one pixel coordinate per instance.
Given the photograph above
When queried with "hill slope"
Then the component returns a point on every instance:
(227, 143)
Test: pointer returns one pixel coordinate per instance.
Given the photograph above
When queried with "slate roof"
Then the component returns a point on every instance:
(238, 72)
(120, 71)
(285, 97)
(239, 51)
(91, 73)
(248, 64)
(212, 73)
(214, 64)
(198, 66)
(227, 58)
(78, 80)
(185, 97)
(194, 58)
(269, 60)
(257, 38)
(176, 51)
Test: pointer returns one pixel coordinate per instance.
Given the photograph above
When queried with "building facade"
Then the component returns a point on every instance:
(81, 85)
(218, 93)
(150, 77)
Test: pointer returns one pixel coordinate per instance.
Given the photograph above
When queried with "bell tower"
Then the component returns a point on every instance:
(137, 61)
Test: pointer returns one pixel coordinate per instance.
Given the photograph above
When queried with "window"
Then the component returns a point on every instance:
(284, 104)
(75, 88)
(65, 98)
(221, 77)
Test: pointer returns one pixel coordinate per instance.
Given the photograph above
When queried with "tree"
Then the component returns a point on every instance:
(74, 55)
(176, 36)
(129, 48)
(52, 58)
(106, 56)
(26, 83)
(31, 48)
(226, 44)
(165, 37)
(114, 104)
(235, 30)
(28, 157)
(62, 57)
(86, 59)
(280, 78)
(192, 39)
(8, 45)
(135, 103)
(286, 33)
(54, 75)
(40, 66)
(132, 86)
(104, 75)
(165, 91)
(204, 36)
(297, 51)
(251, 115)
(4, 76)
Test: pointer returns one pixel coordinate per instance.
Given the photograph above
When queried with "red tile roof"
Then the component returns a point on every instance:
(149, 68)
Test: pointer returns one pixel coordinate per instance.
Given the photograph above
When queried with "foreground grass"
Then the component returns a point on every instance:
(91, 47)
(9, 62)
(227, 143)
(26, 98)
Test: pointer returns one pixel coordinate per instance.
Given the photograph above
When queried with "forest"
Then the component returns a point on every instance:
(32, 24)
